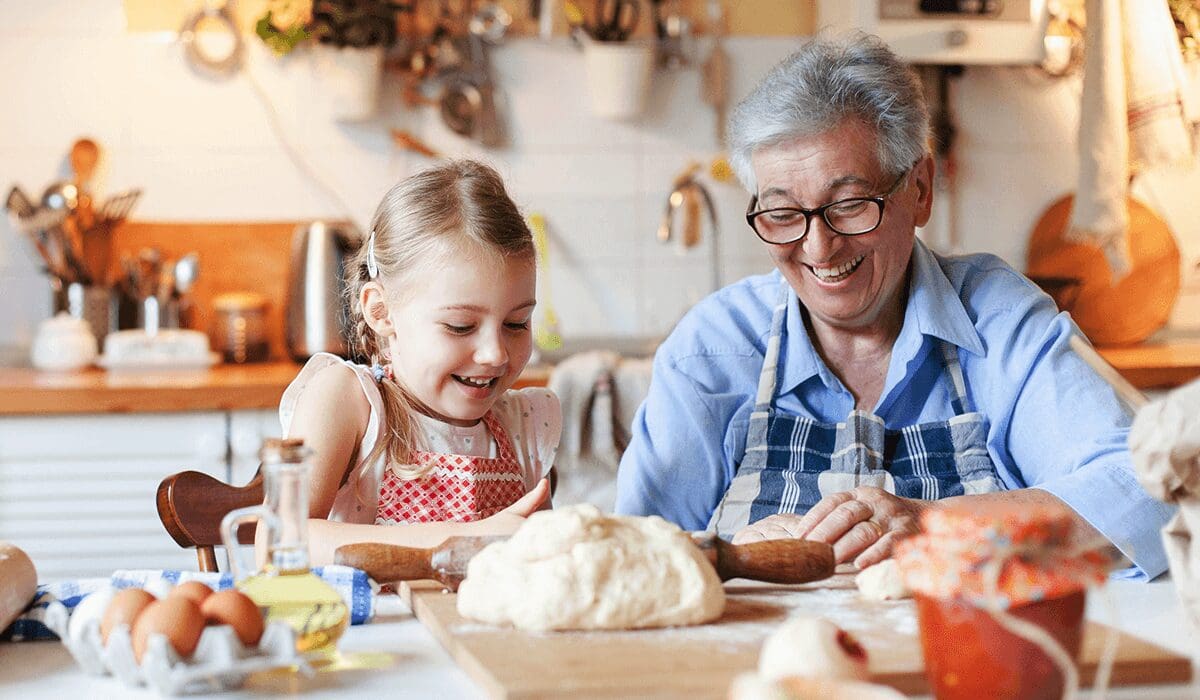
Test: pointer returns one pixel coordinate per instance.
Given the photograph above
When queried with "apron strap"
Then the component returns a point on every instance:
(960, 402)
(768, 377)
(504, 446)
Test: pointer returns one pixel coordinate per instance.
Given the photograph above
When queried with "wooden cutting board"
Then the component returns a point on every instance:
(701, 661)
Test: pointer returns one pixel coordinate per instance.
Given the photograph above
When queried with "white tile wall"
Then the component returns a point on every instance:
(204, 149)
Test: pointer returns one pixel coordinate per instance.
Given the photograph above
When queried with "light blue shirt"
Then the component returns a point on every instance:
(1052, 422)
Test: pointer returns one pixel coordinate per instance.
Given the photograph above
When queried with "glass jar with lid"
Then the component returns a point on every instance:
(1000, 592)
(240, 327)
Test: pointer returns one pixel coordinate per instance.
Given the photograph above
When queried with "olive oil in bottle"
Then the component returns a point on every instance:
(287, 589)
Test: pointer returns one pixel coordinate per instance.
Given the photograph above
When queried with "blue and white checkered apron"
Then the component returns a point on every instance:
(792, 461)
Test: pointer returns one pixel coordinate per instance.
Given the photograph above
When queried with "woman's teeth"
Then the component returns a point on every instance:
(838, 273)
(481, 383)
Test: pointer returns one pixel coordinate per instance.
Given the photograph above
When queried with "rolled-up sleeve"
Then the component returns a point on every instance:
(1067, 434)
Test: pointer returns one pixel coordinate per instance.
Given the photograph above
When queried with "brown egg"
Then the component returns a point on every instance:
(193, 590)
(176, 617)
(123, 609)
(237, 610)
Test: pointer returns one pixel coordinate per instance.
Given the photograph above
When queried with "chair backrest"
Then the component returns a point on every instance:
(191, 505)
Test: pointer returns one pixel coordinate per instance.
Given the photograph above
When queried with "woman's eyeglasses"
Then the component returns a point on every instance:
(848, 217)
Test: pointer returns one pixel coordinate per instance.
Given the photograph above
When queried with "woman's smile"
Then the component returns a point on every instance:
(835, 274)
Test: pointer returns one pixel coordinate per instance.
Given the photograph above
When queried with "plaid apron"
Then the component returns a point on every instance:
(456, 488)
(792, 461)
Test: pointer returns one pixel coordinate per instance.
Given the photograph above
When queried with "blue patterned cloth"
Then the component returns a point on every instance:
(353, 585)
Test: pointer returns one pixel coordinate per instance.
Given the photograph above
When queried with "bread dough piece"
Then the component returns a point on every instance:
(576, 568)
(812, 646)
(882, 582)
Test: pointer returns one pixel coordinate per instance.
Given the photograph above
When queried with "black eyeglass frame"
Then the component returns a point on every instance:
(880, 201)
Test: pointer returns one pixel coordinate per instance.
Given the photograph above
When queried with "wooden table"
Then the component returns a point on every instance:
(419, 668)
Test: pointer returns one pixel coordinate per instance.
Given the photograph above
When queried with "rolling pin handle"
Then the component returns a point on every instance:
(387, 563)
(774, 561)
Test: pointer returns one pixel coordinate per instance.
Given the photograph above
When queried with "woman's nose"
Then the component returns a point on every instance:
(821, 242)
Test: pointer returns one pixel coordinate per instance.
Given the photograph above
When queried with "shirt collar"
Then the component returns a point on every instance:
(934, 309)
(934, 306)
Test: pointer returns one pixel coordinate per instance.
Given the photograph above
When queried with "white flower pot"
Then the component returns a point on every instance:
(348, 79)
(619, 75)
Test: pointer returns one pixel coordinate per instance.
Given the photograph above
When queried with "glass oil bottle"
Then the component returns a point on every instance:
(286, 588)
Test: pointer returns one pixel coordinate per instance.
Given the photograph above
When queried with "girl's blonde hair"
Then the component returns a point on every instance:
(457, 204)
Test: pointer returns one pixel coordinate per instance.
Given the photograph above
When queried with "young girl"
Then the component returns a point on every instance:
(429, 440)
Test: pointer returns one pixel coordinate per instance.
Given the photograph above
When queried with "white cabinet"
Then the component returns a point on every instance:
(77, 492)
(247, 430)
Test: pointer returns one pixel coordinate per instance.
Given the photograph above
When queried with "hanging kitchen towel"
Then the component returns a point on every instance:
(1131, 117)
(587, 453)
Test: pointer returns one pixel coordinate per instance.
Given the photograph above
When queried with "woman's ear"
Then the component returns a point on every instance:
(372, 303)
(923, 174)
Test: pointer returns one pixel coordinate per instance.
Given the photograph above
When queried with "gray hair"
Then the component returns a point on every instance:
(829, 80)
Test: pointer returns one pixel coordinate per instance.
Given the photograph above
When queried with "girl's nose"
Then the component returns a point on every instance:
(491, 350)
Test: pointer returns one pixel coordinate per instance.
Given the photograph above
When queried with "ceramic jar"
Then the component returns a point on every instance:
(63, 343)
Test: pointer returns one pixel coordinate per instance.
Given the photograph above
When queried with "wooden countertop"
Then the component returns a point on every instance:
(1157, 364)
(27, 391)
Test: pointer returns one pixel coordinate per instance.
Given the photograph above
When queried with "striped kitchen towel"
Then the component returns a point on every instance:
(353, 584)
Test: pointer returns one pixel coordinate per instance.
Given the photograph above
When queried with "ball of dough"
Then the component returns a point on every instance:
(882, 582)
(812, 646)
(576, 568)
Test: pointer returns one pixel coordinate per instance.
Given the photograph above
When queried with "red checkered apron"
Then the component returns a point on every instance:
(456, 488)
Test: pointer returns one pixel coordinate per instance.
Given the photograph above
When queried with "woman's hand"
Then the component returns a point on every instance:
(862, 524)
(508, 520)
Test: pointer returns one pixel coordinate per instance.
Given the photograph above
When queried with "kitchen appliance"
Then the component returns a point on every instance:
(969, 32)
(316, 313)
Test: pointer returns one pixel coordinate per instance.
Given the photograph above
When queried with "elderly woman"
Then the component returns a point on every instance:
(868, 378)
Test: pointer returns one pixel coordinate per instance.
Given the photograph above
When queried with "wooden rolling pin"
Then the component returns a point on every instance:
(774, 561)
(18, 582)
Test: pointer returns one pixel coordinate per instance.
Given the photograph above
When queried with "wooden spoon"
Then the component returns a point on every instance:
(85, 154)
(93, 244)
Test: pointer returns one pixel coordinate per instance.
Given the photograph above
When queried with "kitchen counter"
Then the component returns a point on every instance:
(27, 391)
(1161, 362)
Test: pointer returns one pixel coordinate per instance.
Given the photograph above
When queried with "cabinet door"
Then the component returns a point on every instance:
(247, 430)
(77, 493)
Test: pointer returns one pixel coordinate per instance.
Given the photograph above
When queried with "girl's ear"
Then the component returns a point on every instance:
(371, 301)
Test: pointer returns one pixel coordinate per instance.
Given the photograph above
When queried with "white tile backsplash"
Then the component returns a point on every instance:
(205, 149)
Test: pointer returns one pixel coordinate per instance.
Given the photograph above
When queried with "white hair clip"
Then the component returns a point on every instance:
(372, 265)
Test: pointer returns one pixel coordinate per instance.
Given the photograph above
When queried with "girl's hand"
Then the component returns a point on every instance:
(508, 520)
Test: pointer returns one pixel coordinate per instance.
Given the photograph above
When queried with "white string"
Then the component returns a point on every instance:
(1029, 631)
(292, 152)
(1042, 639)
(1109, 654)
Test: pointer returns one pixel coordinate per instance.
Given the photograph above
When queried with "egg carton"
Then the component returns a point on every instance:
(220, 662)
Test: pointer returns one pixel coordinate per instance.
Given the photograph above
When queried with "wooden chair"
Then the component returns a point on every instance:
(191, 505)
